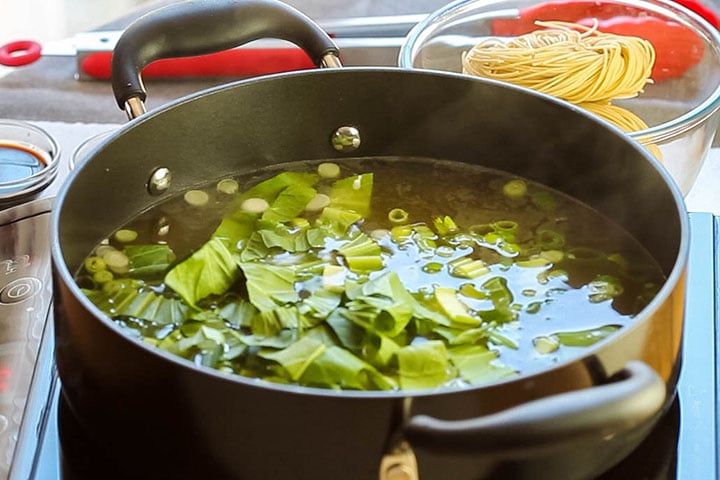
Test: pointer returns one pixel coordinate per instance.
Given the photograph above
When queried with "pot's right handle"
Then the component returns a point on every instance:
(636, 395)
(199, 27)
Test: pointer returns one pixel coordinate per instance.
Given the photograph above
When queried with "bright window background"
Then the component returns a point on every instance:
(47, 20)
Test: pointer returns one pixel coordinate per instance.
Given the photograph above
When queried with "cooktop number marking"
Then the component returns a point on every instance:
(12, 265)
(19, 290)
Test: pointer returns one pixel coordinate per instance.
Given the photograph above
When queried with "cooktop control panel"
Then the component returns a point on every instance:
(25, 305)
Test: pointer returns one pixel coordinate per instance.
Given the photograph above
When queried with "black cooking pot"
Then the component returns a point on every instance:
(161, 416)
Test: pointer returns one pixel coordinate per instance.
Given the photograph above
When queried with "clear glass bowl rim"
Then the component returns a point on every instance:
(657, 133)
(47, 173)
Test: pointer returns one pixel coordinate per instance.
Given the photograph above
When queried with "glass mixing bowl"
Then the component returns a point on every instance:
(680, 106)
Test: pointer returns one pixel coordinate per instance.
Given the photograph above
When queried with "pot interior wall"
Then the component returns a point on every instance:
(291, 117)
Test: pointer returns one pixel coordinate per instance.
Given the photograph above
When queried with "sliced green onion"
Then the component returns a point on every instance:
(401, 233)
(364, 263)
(117, 262)
(445, 225)
(469, 290)
(509, 248)
(550, 239)
(547, 275)
(462, 240)
(424, 237)
(329, 170)
(585, 253)
(500, 339)
(95, 264)
(103, 249)
(544, 200)
(534, 261)
(586, 338)
(505, 226)
(498, 291)
(480, 229)
(333, 278)
(468, 268)
(493, 238)
(398, 216)
(432, 267)
(254, 205)
(359, 246)
(533, 307)
(618, 259)
(553, 256)
(227, 186)
(604, 287)
(102, 276)
(317, 203)
(196, 198)
(379, 233)
(515, 189)
(299, 222)
(448, 300)
(546, 344)
(126, 235)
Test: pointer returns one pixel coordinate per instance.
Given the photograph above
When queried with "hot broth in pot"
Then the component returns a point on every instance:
(372, 274)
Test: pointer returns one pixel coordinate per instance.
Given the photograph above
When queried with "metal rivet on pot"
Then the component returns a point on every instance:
(346, 139)
(160, 181)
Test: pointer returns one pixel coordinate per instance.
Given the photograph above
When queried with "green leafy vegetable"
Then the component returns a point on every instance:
(147, 261)
(338, 220)
(353, 193)
(394, 304)
(302, 283)
(337, 368)
(269, 189)
(453, 307)
(211, 270)
(297, 357)
(270, 286)
(290, 202)
(234, 231)
(477, 364)
(424, 365)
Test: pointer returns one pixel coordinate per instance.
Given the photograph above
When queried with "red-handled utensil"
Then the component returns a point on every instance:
(364, 41)
(237, 62)
(702, 10)
(19, 52)
(677, 48)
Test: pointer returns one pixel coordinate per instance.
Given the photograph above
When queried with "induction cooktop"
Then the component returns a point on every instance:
(40, 441)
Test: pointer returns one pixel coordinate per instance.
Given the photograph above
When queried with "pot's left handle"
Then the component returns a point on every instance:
(199, 27)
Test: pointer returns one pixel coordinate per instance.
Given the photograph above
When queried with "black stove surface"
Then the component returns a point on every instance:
(683, 446)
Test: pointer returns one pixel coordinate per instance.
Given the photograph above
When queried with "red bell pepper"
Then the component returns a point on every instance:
(677, 47)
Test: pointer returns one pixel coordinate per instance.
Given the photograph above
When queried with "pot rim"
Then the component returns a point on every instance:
(60, 267)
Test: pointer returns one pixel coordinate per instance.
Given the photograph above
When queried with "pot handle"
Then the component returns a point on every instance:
(635, 396)
(195, 27)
